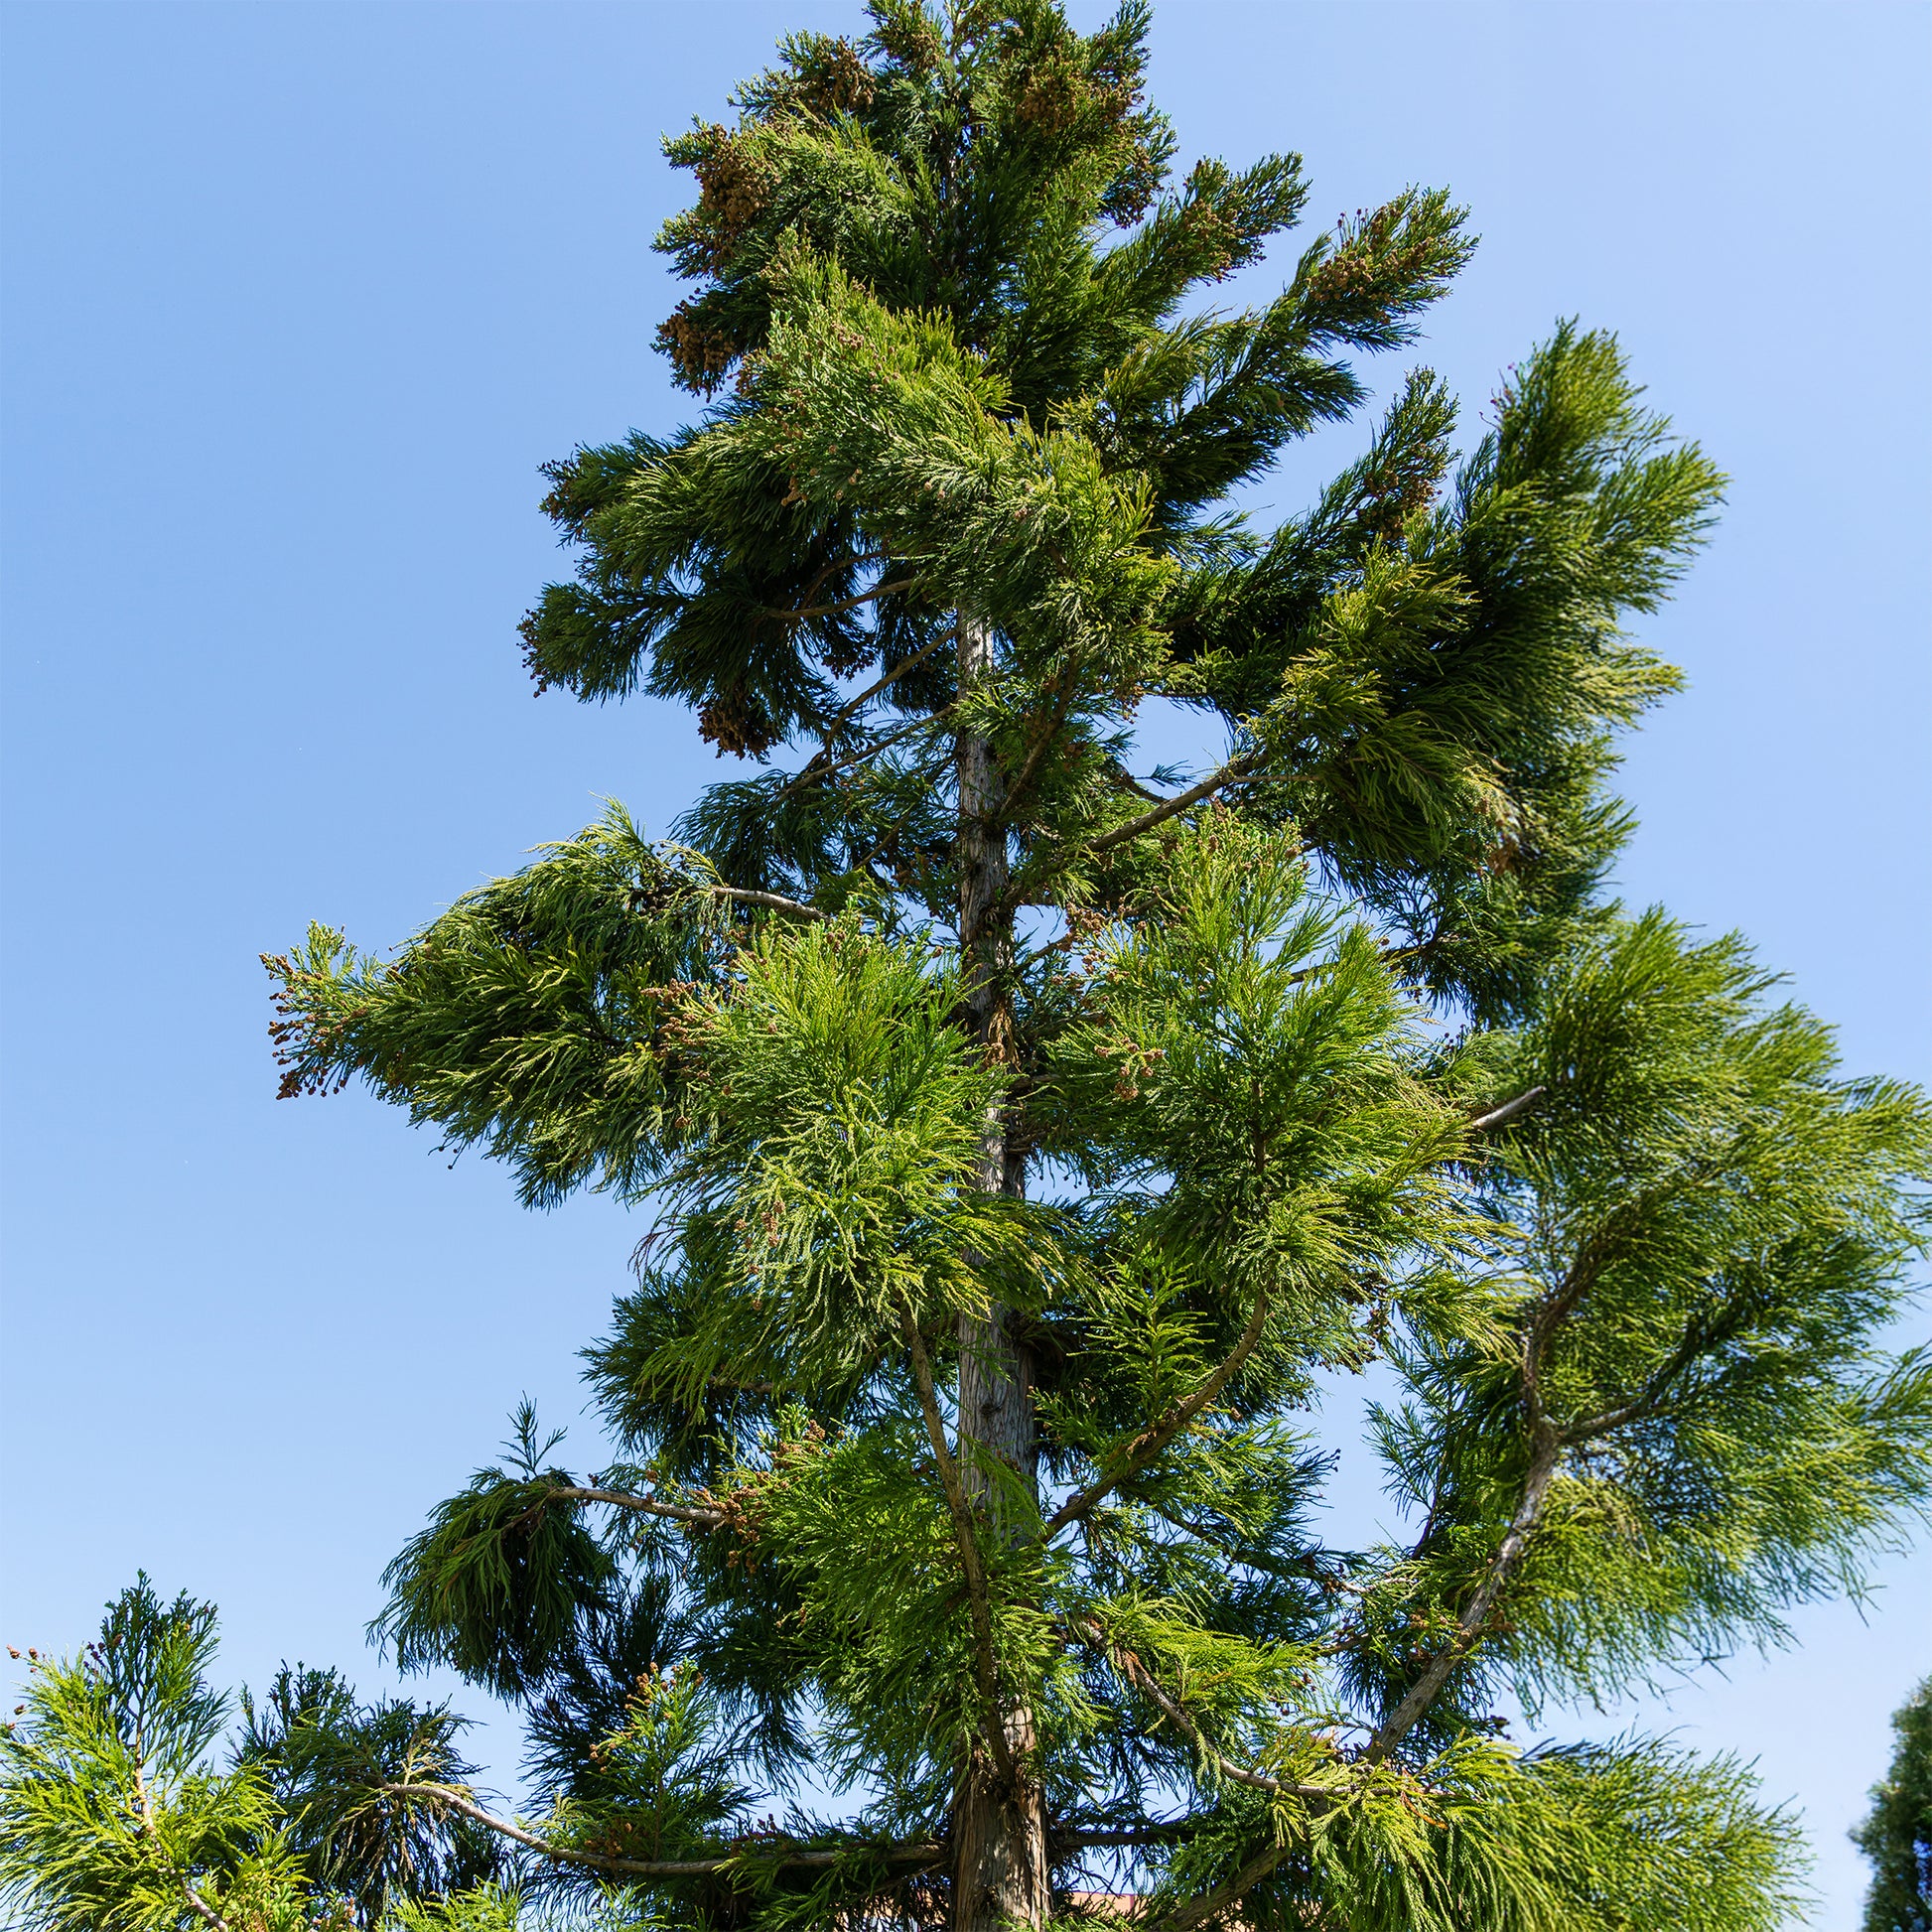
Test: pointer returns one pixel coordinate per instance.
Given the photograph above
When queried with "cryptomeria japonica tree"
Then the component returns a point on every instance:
(1035, 1142)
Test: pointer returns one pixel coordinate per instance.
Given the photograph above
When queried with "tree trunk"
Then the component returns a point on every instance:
(998, 1825)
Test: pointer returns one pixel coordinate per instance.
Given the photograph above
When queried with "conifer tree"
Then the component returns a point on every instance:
(119, 1813)
(1897, 1837)
(1033, 1142)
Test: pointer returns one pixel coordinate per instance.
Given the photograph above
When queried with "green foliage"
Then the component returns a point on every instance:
(1898, 1835)
(113, 1817)
(1033, 1141)
(495, 1586)
(332, 1763)
(1597, 1838)
(488, 1908)
(530, 1018)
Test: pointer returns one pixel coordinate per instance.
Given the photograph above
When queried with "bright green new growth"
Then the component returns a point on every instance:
(1035, 1142)
(111, 1817)
(117, 1813)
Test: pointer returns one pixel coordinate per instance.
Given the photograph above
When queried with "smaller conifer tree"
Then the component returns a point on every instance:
(1897, 1837)
(124, 1808)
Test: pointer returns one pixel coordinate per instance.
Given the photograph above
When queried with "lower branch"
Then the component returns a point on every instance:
(925, 1852)
(1475, 1613)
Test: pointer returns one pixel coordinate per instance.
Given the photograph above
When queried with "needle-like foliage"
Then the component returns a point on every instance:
(1032, 1142)
(1897, 1834)
(119, 1811)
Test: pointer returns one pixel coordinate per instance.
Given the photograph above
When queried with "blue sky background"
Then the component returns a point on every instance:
(296, 299)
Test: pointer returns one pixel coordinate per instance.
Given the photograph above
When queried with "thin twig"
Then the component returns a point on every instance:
(1056, 718)
(1157, 1833)
(1698, 1338)
(1158, 1434)
(1508, 1111)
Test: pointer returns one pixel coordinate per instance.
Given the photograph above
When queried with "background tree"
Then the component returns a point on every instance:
(1036, 1139)
(1897, 1837)
(117, 1813)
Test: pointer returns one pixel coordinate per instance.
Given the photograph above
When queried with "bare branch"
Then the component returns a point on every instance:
(1508, 1111)
(1127, 781)
(924, 1852)
(1548, 1442)
(1474, 1618)
(1137, 1674)
(775, 900)
(986, 1664)
(839, 606)
(1155, 1834)
(202, 1911)
(709, 1519)
(1158, 1434)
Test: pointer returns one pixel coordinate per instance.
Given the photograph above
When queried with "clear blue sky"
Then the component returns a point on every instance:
(298, 296)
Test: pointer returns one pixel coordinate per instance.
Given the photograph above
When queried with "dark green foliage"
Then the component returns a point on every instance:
(975, 1075)
(331, 1763)
(502, 1578)
(1897, 1837)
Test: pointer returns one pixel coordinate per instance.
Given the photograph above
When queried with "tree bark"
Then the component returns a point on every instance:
(998, 1825)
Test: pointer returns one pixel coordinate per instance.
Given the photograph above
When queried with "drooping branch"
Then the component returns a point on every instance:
(1158, 1433)
(921, 1851)
(986, 1664)
(1135, 1673)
